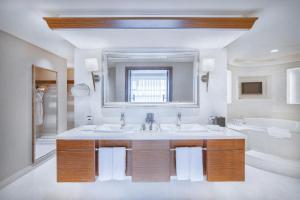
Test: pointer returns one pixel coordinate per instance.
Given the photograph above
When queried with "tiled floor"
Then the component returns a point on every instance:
(259, 185)
(44, 146)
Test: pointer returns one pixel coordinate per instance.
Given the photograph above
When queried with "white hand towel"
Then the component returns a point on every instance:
(183, 163)
(119, 163)
(105, 158)
(279, 132)
(196, 164)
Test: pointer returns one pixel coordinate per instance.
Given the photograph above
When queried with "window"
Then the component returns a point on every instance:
(148, 84)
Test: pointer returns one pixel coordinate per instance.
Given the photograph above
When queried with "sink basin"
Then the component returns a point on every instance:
(183, 127)
(117, 128)
(168, 127)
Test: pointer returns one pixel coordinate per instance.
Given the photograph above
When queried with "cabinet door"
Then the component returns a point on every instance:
(76, 166)
(225, 160)
(151, 165)
(76, 161)
(226, 165)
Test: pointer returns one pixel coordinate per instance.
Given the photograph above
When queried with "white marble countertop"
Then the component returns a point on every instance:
(91, 133)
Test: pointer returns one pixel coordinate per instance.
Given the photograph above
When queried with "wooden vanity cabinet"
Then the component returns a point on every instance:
(151, 161)
(75, 160)
(225, 160)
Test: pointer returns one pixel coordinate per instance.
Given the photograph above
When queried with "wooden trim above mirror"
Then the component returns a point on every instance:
(150, 22)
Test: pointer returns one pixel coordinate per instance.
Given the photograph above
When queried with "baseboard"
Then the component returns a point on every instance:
(26, 170)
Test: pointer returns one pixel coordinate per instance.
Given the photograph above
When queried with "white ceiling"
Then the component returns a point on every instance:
(278, 26)
(189, 38)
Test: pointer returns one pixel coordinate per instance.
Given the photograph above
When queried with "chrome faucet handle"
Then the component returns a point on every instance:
(178, 123)
(122, 119)
(149, 118)
(179, 115)
(122, 115)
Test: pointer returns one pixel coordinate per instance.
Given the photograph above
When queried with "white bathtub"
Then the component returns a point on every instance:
(281, 155)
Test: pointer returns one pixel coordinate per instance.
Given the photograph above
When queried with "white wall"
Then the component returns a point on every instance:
(275, 105)
(16, 60)
(211, 103)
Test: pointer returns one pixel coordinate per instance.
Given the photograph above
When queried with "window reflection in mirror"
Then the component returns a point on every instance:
(148, 84)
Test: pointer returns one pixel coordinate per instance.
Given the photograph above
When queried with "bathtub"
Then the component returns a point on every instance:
(280, 155)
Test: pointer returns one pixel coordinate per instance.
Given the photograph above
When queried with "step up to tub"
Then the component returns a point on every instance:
(273, 163)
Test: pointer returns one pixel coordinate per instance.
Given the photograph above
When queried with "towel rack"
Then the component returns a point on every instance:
(129, 149)
(174, 149)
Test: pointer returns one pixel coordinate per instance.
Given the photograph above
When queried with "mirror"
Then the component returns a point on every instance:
(150, 79)
(293, 85)
(70, 99)
(44, 112)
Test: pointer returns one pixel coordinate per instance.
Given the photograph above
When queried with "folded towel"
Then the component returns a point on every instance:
(105, 158)
(183, 163)
(279, 132)
(119, 163)
(196, 164)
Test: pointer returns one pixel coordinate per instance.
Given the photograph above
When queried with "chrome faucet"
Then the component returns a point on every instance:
(123, 121)
(149, 120)
(178, 123)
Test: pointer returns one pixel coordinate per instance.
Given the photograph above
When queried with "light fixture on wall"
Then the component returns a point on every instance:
(207, 66)
(91, 64)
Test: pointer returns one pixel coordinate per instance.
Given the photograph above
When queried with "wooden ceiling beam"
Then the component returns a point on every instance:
(150, 22)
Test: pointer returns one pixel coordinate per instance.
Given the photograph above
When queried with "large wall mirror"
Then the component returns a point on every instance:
(150, 78)
(44, 112)
(293, 85)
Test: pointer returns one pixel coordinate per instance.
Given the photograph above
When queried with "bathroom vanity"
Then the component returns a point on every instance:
(150, 156)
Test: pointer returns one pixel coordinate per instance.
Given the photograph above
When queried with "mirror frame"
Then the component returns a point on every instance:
(148, 52)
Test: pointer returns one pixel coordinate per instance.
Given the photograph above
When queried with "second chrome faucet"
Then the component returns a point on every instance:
(122, 120)
(178, 122)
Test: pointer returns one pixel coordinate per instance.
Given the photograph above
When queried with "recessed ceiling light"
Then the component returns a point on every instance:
(274, 50)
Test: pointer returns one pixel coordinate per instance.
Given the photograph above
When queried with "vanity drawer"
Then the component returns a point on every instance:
(226, 144)
(63, 145)
(150, 144)
(225, 165)
(113, 143)
(187, 143)
(76, 166)
(76, 160)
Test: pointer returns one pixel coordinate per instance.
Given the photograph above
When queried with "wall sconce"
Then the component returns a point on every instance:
(207, 65)
(91, 64)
